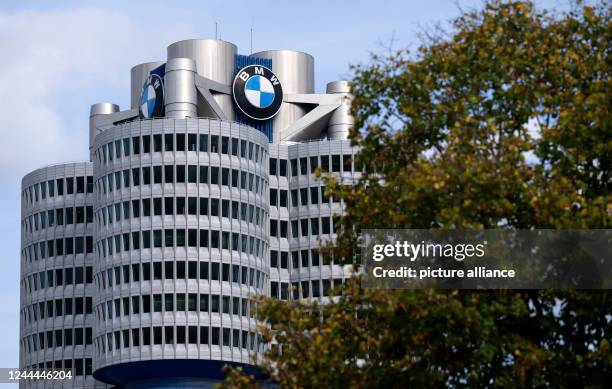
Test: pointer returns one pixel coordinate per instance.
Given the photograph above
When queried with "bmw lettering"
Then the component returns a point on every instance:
(152, 97)
(257, 92)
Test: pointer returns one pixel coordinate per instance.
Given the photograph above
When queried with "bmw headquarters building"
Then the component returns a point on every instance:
(139, 268)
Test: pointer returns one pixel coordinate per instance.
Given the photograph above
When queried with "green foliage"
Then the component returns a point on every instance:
(504, 122)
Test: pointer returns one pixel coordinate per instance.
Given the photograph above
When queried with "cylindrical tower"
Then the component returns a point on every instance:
(138, 76)
(295, 70)
(341, 120)
(181, 97)
(56, 317)
(94, 113)
(181, 249)
(215, 59)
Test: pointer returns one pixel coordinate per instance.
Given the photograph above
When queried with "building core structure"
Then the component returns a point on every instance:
(139, 268)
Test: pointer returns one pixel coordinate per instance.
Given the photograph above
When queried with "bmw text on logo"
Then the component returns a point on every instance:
(257, 92)
(152, 97)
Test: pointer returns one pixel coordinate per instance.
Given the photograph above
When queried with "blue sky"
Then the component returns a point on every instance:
(58, 58)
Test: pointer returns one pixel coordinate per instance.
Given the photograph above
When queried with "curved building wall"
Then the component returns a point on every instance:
(56, 316)
(302, 217)
(181, 242)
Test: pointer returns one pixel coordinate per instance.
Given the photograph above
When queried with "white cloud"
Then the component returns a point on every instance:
(54, 64)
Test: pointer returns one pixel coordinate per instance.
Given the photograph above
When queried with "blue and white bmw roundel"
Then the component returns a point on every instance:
(257, 92)
(151, 102)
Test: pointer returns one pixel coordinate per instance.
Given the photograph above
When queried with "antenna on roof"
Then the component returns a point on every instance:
(216, 35)
(251, 40)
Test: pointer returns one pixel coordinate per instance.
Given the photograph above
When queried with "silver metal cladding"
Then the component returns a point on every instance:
(181, 98)
(215, 59)
(96, 110)
(295, 70)
(138, 76)
(341, 120)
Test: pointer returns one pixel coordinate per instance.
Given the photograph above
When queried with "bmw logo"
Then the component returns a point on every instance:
(257, 92)
(152, 97)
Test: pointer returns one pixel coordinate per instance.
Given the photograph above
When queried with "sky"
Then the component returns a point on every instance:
(58, 58)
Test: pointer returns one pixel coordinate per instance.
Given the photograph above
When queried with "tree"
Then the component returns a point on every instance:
(502, 122)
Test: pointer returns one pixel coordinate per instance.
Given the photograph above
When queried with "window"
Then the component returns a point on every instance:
(214, 143)
(294, 167)
(136, 177)
(273, 197)
(168, 205)
(192, 302)
(180, 174)
(180, 142)
(346, 163)
(80, 184)
(157, 239)
(192, 174)
(314, 164)
(325, 163)
(203, 143)
(157, 174)
(168, 142)
(193, 334)
(314, 195)
(69, 185)
(157, 143)
(303, 166)
(169, 238)
(180, 241)
(273, 162)
(60, 186)
(180, 206)
(192, 238)
(192, 140)
(283, 168)
(335, 163)
(192, 204)
(146, 144)
(325, 225)
(136, 145)
(304, 196)
(225, 176)
(235, 147)
(146, 175)
(180, 302)
(214, 175)
(168, 174)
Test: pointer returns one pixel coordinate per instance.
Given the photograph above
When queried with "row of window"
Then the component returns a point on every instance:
(53, 188)
(301, 258)
(170, 238)
(64, 276)
(307, 196)
(304, 289)
(182, 206)
(58, 217)
(173, 270)
(181, 174)
(59, 338)
(318, 226)
(180, 302)
(57, 248)
(57, 308)
(339, 163)
(203, 143)
(78, 366)
(178, 335)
